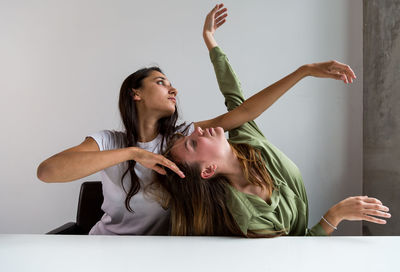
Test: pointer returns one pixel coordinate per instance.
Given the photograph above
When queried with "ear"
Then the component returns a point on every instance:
(209, 171)
(136, 95)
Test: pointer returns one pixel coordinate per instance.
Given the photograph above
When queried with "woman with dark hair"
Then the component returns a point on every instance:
(245, 186)
(126, 159)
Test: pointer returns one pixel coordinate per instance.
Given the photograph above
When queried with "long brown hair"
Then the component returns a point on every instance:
(127, 107)
(199, 206)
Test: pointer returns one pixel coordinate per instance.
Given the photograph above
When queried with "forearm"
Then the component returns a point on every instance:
(261, 101)
(251, 108)
(69, 166)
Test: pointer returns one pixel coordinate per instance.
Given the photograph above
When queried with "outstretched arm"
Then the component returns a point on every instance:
(243, 111)
(355, 208)
(86, 159)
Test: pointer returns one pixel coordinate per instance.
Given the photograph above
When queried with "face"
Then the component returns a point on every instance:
(204, 146)
(156, 95)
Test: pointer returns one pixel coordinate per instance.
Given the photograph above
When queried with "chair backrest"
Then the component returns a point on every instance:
(89, 205)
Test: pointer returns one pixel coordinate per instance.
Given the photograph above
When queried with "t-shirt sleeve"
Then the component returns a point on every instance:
(108, 139)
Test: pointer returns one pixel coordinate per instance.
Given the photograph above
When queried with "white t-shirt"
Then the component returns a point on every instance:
(149, 218)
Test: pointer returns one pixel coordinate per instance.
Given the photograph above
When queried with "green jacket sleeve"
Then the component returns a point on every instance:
(228, 82)
(230, 87)
(317, 230)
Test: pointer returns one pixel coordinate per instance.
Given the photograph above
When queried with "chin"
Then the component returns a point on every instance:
(169, 113)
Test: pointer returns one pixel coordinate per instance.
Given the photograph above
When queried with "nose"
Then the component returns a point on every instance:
(173, 91)
(199, 131)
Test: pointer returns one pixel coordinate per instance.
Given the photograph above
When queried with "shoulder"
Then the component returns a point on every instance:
(109, 139)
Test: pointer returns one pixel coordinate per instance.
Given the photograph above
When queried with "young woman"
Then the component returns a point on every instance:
(245, 186)
(126, 159)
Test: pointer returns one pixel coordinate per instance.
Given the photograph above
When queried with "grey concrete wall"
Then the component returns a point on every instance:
(382, 110)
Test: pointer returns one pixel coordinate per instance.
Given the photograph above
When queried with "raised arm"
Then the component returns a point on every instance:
(242, 111)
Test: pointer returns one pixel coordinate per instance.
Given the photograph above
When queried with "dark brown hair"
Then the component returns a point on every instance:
(166, 126)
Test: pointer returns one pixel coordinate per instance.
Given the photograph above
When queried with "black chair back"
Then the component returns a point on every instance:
(89, 206)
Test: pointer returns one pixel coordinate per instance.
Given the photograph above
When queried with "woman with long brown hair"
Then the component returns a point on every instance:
(245, 186)
(126, 159)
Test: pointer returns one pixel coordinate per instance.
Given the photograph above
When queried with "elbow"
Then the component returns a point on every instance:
(44, 172)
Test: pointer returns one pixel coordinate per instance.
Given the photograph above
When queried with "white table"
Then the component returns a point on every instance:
(161, 253)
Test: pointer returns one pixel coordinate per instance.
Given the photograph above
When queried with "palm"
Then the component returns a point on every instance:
(215, 19)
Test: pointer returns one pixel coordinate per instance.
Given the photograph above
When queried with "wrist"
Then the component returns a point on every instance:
(209, 40)
(305, 70)
(133, 152)
(333, 216)
(208, 34)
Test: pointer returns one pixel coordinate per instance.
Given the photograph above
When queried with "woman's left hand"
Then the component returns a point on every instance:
(331, 69)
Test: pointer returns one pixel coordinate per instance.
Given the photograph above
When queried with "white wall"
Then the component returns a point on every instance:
(62, 63)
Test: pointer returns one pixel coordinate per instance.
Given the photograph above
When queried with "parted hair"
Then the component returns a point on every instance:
(127, 107)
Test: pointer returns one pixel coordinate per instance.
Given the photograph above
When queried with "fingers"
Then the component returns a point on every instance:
(371, 200)
(219, 12)
(377, 207)
(219, 17)
(167, 163)
(337, 75)
(216, 10)
(373, 219)
(377, 213)
(372, 207)
(159, 170)
(345, 70)
(220, 23)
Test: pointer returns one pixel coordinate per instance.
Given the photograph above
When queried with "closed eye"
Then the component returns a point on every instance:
(194, 144)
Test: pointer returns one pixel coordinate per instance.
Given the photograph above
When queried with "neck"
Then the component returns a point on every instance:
(148, 127)
(235, 174)
(232, 169)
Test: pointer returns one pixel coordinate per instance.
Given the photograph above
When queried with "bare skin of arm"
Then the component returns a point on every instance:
(355, 208)
(86, 159)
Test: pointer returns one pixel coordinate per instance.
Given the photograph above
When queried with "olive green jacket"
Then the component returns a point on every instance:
(289, 206)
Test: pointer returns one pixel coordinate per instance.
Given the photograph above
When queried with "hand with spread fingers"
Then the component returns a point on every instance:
(214, 19)
(155, 161)
(331, 69)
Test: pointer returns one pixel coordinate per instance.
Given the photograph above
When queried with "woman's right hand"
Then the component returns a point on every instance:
(330, 69)
(155, 161)
(215, 18)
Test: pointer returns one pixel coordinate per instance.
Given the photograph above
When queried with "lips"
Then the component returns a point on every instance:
(172, 99)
